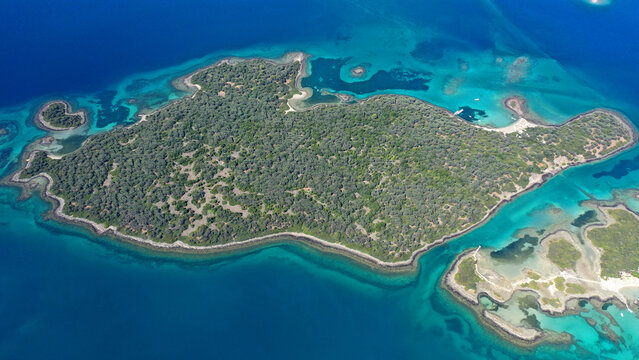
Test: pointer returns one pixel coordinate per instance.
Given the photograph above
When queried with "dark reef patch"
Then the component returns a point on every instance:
(587, 217)
(620, 169)
(518, 250)
(109, 113)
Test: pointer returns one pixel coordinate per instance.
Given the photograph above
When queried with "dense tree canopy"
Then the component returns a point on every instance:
(56, 115)
(386, 176)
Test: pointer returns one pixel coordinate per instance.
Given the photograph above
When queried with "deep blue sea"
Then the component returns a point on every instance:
(67, 294)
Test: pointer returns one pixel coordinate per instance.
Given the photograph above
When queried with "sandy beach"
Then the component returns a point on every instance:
(518, 126)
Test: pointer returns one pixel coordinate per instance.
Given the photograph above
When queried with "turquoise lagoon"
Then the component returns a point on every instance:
(65, 293)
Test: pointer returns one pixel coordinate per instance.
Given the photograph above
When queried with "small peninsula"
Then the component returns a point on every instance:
(234, 165)
(553, 275)
(57, 115)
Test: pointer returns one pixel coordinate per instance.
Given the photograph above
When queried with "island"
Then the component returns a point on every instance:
(358, 71)
(555, 275)
(57, 115)
(235, 165)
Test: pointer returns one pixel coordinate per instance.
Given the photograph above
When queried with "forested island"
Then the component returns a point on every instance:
(57, 115)
(383, 178)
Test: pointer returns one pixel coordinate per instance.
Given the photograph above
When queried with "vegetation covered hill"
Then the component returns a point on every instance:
(56, 115)
(385, 176)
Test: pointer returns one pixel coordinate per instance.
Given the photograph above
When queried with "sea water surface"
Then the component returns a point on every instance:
(65, 293)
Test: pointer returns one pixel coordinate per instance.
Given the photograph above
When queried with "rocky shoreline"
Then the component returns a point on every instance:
(524, 337)
(597, 293)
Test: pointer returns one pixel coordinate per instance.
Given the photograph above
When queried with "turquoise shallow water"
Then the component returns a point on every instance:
(65, 293)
